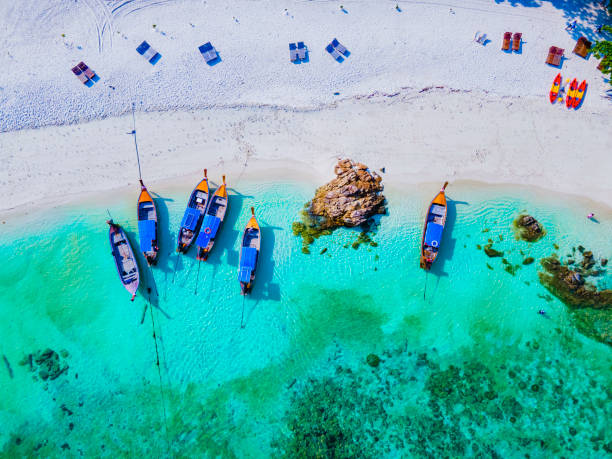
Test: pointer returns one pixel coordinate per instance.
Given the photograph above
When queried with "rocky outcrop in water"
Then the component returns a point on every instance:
(47, 363)
(528, 228)
(350, 200)
(591, 307)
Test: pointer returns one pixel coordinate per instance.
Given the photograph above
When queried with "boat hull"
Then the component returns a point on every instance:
(212, 222)
(249, 255)
(147, 212)
(435, 221)
(125, 261)
(192, 218)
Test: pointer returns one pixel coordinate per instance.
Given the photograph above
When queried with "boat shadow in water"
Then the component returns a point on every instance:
(148, 286)
(263, 288)
(227, 242)
(448, 241)
(166, 241)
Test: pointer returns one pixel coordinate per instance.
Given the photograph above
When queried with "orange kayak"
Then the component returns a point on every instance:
(579, 93)
(554, 90)
(571, 94)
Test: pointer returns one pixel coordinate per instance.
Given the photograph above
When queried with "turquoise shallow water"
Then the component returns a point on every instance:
(471, 370)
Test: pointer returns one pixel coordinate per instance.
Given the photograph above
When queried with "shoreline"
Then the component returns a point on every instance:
(424, 137)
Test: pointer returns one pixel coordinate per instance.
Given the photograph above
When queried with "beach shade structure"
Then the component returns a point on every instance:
(506, 41)
(334, 53)
(516, 41)
(583, 46)
(80, 75)
(554, 56)
(87, 71)
(301, 50)
(146, 51)
(209, 53)
(293, 52)
(340, 47)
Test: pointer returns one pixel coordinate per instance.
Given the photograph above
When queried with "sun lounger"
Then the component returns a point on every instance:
(334, 52)
(148, 53)
(80, 75)
(209, 53)
(516, 41)
(86, 70)
(506, 41)
(301, 50)
(293, 52)
(339, 46)
(583, 46)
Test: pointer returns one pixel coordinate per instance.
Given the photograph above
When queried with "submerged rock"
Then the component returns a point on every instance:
(373, 360)
(349, 200)
(528, 228)
(47, 363)
(491, 252)
(591, 307)
(528, 260)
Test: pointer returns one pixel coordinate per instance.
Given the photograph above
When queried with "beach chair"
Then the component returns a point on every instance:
(340, 47)
(516, 41)
(209, 53)
(86, 70)
(334, 53)
(146, 51)
(80, 75)
(583, 46)
(301, 50)
(293, 52)
(506, 41)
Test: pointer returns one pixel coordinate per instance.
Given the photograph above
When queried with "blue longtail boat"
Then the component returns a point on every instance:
(212, 221)
(249, 253)
(192, 219)
(147, 225)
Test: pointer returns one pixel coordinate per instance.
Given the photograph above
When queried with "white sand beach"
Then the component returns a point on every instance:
(416, 95)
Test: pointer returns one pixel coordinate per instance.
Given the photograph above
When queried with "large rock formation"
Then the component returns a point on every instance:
(528, 228)
(351, 199)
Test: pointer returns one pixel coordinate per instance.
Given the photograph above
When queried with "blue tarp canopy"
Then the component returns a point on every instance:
(190, 219)
(433, 235)
(210, 226)
(248, 258)
(146, 231)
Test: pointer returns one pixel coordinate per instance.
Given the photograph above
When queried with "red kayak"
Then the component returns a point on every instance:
(579, 94)
(554, 90)
(571, 94)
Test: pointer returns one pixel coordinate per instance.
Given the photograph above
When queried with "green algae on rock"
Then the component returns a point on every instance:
(591, 307)
(528, 228)
(47, 363)
(349, 200)
(528, 260)
(491, 252)
(373, 360)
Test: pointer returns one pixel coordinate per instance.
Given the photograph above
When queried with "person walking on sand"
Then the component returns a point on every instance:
(591, 216)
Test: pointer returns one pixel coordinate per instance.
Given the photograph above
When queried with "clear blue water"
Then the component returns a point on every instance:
(471, 369)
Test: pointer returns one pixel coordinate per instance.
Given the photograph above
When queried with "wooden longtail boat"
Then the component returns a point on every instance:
(125, 261)
(147, 225)
(432, 231)
(212, 221)
(192, 219)
(249, 253)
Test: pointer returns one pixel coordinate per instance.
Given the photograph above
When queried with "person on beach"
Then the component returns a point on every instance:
(590, 216)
